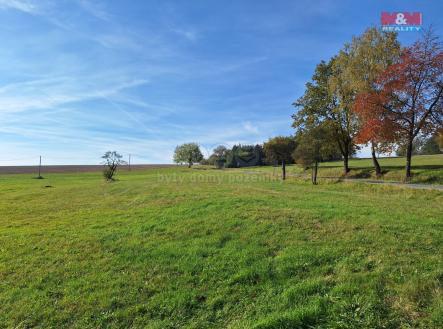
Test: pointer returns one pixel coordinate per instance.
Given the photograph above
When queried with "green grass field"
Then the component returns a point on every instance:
(427, 169)
(202, 248)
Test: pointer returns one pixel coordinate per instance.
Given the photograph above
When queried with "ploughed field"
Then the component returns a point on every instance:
(67, 169)
(203, 248)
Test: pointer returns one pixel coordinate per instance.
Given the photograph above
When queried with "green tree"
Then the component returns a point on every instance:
(218, 156)
(430, 146)
(315, 145)
(244, 156)
(188, 153)
(280, 149)
(220, 151)
(440, 138)
(328, 99)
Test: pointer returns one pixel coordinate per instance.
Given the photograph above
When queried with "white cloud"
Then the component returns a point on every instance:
(21, 5)
(54, 92)
(249, 127)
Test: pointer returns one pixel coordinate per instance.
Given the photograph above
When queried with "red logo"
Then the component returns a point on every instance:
(401, 18)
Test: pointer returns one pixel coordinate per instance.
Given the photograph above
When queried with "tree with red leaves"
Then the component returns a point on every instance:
(408, 100)
(369, 55)
(375, 128)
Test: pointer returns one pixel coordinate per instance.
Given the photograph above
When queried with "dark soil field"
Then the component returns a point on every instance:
(70, 168)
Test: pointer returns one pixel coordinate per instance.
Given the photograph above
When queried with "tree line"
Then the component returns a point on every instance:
(376, 93)
(373, 92)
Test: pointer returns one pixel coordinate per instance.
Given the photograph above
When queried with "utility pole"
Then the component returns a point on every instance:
(39, 168)
(129, 162)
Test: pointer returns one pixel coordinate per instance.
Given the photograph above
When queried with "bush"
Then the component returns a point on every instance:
(112, 161)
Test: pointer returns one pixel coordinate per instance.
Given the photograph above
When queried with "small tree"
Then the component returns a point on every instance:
(430, 146)
(111, 161)
(280, 149)
(188, 153)
(219, 156)
(315, 145)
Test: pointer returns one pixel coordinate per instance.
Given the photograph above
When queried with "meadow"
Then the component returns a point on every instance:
(204, 248)
(426, 169)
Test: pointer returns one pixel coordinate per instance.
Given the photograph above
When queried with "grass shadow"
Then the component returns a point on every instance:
(391, 167)
(365, 173)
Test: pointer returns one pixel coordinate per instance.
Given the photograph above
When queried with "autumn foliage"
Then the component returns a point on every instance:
(376, 128)
(407, 100)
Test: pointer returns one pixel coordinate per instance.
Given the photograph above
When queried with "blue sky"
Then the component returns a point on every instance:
(80, 77)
